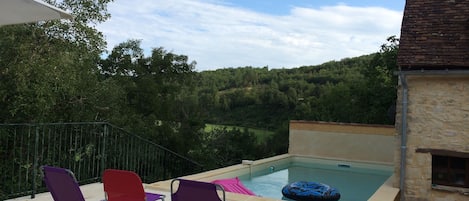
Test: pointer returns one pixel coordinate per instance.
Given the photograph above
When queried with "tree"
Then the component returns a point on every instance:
(381, 86)
(48, 73)
(160, 96)
(48, 69)
(223, 147)
(124, 60)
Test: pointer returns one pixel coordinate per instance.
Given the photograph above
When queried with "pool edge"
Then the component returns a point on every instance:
(384, 193)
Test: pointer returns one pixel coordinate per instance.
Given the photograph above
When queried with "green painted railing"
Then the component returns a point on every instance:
(85, 148)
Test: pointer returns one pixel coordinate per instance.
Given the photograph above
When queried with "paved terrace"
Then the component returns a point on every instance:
(95, 192)
(91, 192)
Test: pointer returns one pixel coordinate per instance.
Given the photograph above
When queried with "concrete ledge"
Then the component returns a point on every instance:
(386, 192)
(354, 142)
(350, 128)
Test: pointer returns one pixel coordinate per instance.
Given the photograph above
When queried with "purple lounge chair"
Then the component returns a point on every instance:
(190, 190)
(62, 184)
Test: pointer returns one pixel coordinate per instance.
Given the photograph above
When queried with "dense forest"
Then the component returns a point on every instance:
(55, 72)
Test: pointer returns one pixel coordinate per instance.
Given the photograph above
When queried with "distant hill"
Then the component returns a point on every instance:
(264, 98)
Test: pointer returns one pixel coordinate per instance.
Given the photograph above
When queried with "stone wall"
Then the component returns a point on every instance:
(438, 118)
(354, 142)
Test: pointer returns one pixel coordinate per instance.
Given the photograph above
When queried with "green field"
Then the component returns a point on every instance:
(261, 134)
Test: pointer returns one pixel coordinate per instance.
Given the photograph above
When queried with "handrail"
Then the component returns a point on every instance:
(86, 148)
(157, 145)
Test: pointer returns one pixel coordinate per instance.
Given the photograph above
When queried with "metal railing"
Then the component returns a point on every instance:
(85, 148)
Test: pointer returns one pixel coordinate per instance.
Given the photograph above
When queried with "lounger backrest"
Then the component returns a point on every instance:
(62, 184)
(122, 185)
(189, 190)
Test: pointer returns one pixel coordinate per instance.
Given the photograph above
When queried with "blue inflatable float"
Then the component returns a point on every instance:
(310, 191)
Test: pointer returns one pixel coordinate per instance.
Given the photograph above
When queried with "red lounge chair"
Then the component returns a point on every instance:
(62, 184)
(122, 185)
(233, 185)
(189, 190)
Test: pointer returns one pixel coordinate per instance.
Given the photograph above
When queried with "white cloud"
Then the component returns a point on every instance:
(217, 35)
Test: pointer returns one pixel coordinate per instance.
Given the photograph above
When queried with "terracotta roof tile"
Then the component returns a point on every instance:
(435, 34)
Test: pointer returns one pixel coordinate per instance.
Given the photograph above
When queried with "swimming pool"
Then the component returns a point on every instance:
(355, 181)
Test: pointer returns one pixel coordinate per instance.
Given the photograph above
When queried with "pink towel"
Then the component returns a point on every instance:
(233, 185)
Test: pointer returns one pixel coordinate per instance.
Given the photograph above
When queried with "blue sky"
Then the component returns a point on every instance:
(282, 7)
(274, 33)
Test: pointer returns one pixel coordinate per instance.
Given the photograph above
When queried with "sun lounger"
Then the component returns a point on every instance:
(62, 184)
(233, 185)
(189, 190)
(122, 185)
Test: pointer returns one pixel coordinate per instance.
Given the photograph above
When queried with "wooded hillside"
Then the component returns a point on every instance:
(55, 72)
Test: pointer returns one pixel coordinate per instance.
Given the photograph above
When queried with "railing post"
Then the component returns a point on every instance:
(164, 165)
(35, 161)
(103, 151)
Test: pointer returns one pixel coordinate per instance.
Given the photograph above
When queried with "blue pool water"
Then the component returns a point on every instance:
(354, 184)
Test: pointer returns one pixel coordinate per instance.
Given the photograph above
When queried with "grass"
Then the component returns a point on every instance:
(261, 134)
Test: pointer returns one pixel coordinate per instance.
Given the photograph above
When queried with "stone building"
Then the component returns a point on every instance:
(432, 157)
